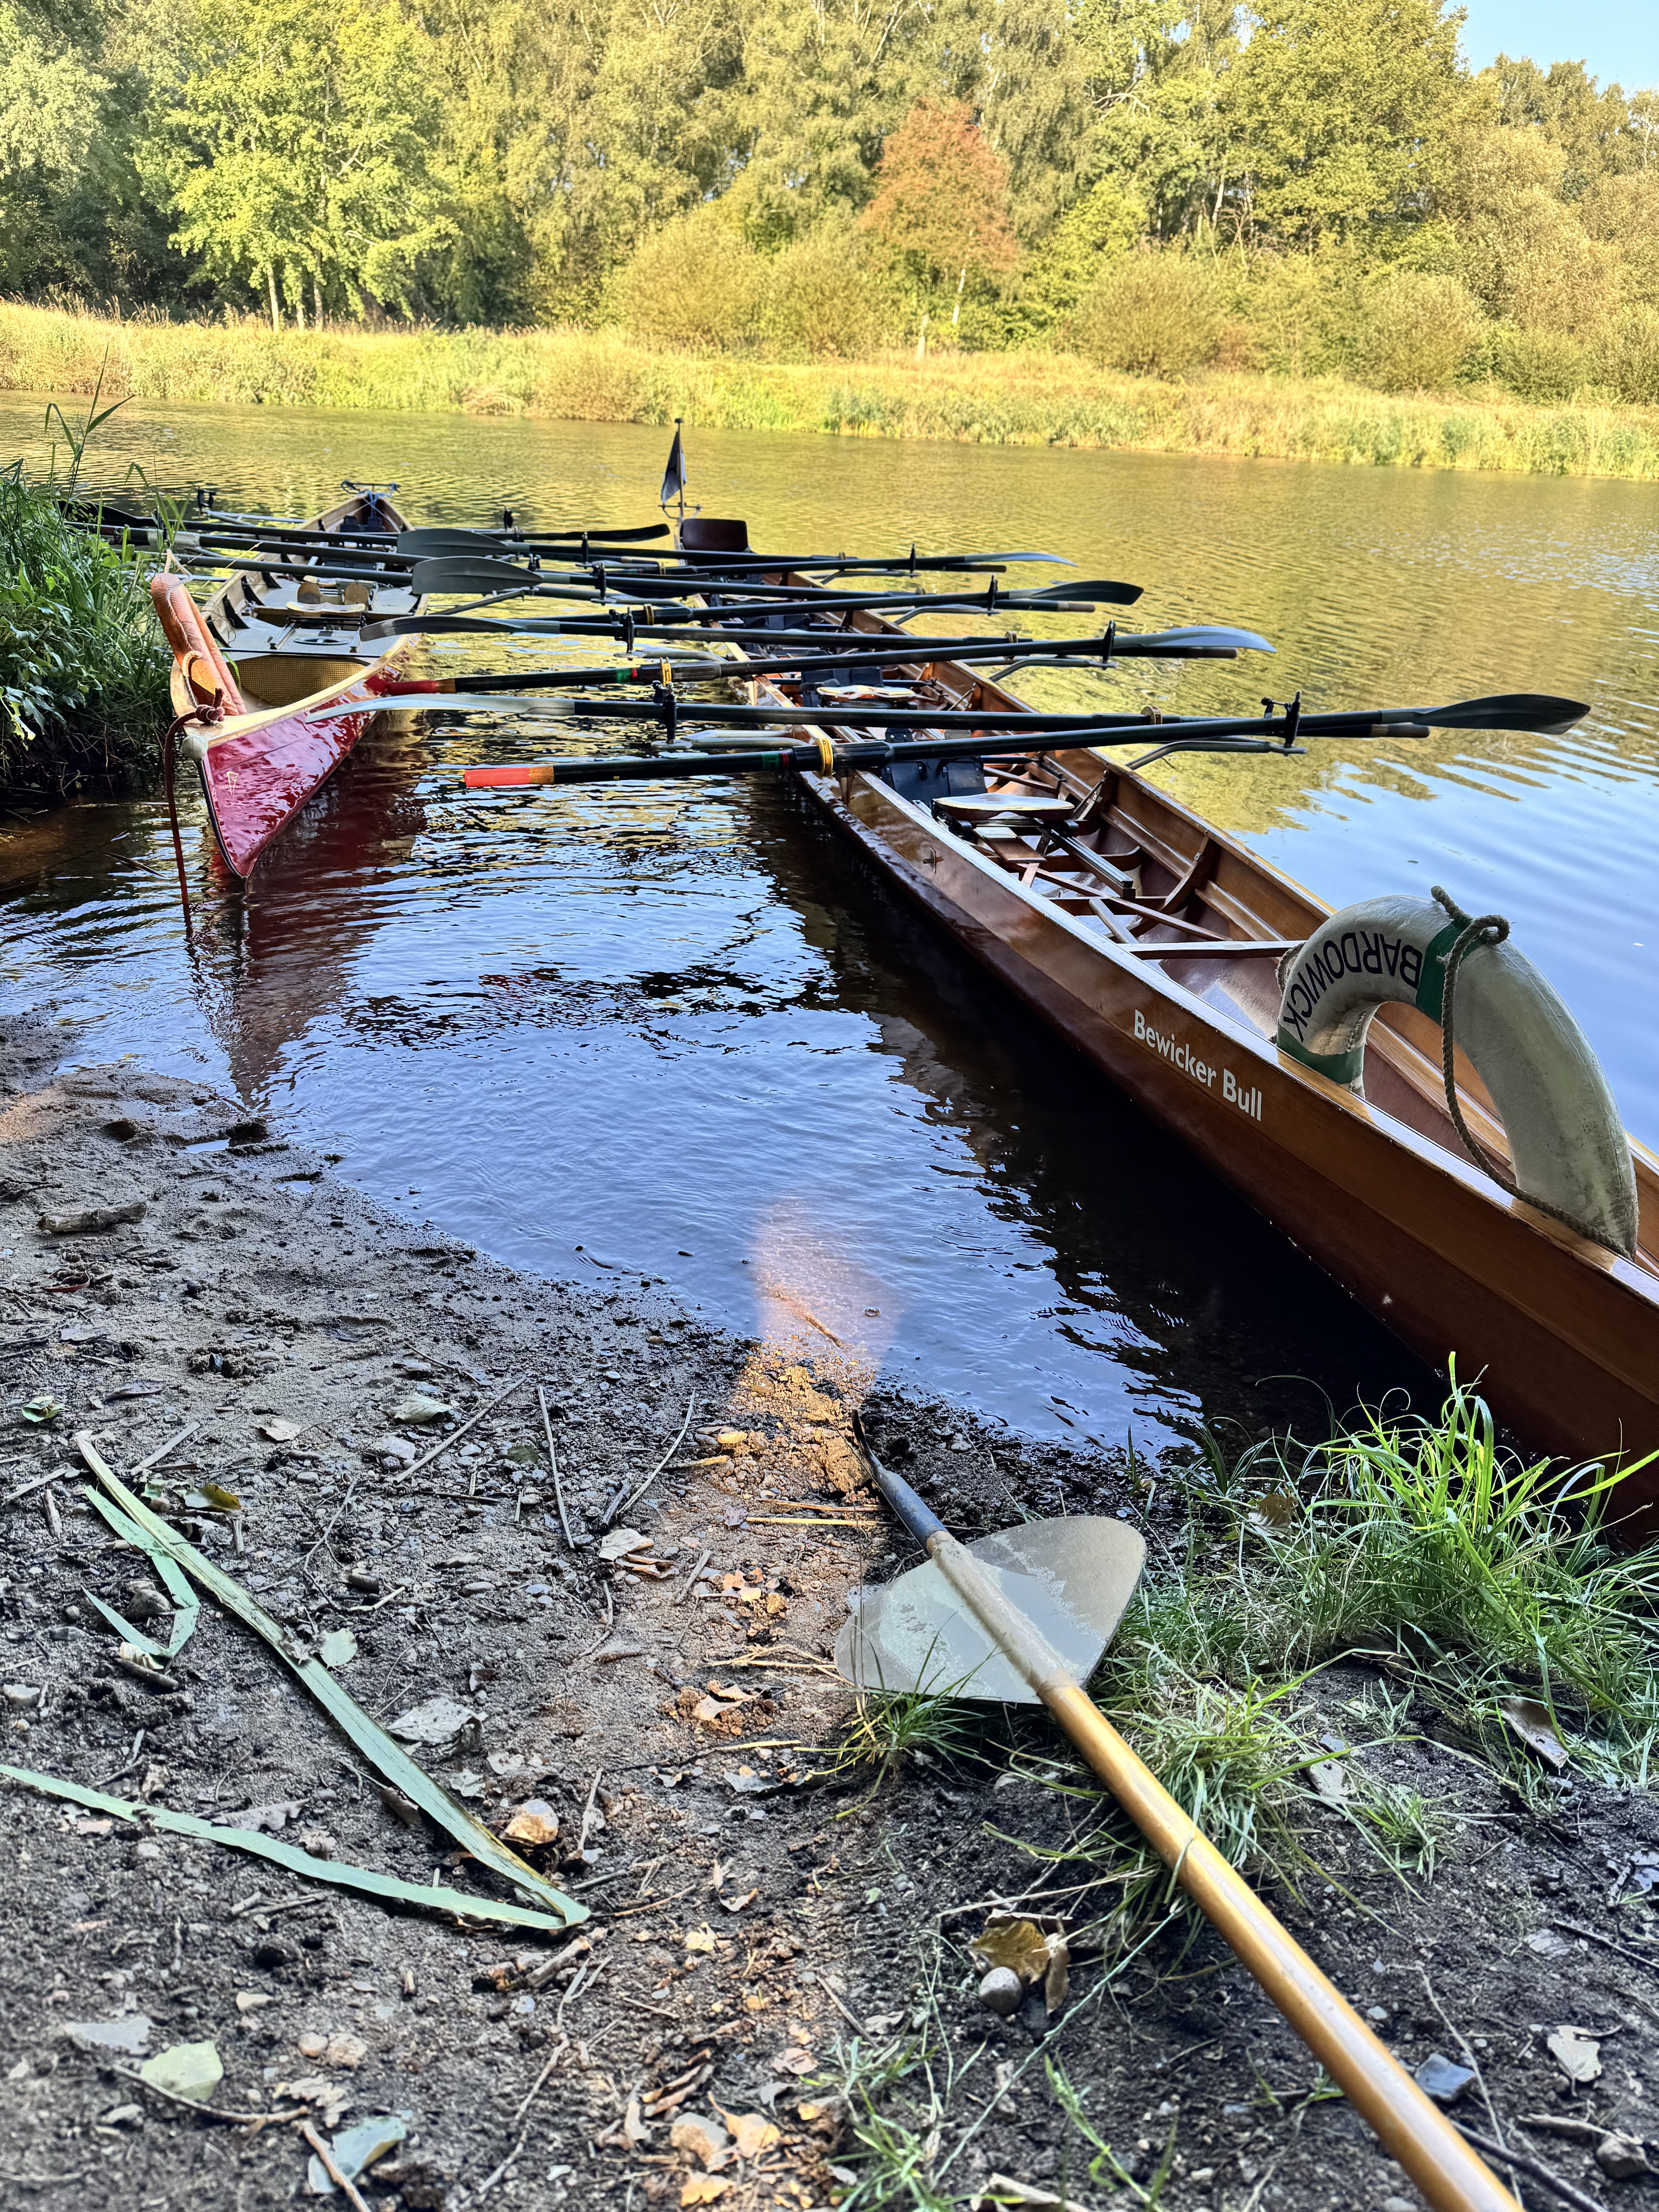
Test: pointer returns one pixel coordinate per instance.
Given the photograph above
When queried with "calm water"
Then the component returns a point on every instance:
(679, 1033)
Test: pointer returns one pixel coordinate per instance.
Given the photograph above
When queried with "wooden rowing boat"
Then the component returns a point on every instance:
(1153, 942)
(252, 666)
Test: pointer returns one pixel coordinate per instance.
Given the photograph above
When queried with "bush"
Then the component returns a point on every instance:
(1153, 315)
(695, 285)
(820, 297)
(83, 669)
(1417, 333)
(1632, 367)
(1290, 315)
(1541, 365)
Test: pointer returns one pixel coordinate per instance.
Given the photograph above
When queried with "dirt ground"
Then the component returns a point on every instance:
(758, 1908)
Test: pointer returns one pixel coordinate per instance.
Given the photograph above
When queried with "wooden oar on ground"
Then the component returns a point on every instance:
(1024, 1618)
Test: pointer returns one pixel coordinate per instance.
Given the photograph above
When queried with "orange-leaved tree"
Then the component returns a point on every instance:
(941, 206)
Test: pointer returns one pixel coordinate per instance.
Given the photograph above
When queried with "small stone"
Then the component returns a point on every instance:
(1002, 1991)
(535, 1825)
(1621, 2157)
(1441, 2078)
(397, 1451)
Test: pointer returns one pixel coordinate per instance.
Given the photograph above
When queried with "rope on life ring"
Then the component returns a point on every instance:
(1482, 929)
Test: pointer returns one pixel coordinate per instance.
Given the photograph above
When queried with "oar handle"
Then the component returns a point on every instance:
(1412, 2130)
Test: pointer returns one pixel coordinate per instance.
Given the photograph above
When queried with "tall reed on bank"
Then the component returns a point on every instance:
(84, 668)
(1027, 397)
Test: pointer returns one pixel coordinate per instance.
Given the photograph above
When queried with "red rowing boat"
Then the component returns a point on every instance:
(277, 643)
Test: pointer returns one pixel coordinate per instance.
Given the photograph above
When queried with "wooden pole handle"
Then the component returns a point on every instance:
(1451, 2175)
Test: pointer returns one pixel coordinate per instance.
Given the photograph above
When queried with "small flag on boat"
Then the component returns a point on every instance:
(673, 477)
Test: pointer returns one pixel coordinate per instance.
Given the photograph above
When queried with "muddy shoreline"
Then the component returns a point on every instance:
(760, 1904)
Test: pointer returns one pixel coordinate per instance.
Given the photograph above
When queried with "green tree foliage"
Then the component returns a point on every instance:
(297, 152)
(1312, 187)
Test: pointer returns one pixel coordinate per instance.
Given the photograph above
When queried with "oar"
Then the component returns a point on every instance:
(1024, 1618)
(1262, 734)
(484, 542)
(486, 575)
(502, 581)
(1091, 651)
(230, 531)
(1514, 711)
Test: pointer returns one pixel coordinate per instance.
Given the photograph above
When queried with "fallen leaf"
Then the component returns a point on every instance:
(619, 1542)
(40, 1410)
(738, 1903)
(1330, 1777)
(752, 2133)
(699, 1939)
(1532, 1724)
(705, 2139)
(439, 1721)
(703, 2189)
(1274, 1509)
(1577, 2055)
(338, 1648)
(632, 2126)
(192, 2070)
(797, 2059)
(415, 1410)
(535, 1824)
(226, 1500)
(1548, 1944)
(279, 1431)
(1018, 1944)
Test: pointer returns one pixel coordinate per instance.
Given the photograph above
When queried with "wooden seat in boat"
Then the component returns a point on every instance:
(989, 806)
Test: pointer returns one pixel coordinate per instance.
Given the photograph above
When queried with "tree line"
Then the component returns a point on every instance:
(1299, 185)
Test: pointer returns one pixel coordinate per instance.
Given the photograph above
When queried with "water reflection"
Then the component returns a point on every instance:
(678, 1033)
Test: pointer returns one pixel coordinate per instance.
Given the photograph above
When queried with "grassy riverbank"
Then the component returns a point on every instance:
(1007, 399)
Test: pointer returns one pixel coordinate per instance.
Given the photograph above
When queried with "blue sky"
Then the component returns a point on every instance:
(1617, 40)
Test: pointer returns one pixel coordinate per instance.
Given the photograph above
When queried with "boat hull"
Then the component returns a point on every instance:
(1559, 1333)
(273, 651)
(256, 779)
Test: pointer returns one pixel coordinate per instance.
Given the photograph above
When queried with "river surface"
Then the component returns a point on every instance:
(678, 1034)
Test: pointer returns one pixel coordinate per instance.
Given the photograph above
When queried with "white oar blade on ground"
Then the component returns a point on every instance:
(1071, 1579)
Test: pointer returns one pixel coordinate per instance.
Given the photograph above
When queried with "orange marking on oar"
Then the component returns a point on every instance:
(535, 773)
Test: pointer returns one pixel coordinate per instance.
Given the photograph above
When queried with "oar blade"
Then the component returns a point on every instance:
(1536, 711)
(1119, 595)
(1072, 1579)
(1198, 638)
(466, 574)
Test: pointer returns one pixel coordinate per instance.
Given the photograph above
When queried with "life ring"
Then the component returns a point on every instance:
(1567, 1145)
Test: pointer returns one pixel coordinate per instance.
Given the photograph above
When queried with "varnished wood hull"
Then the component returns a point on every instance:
(1561, 1335)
